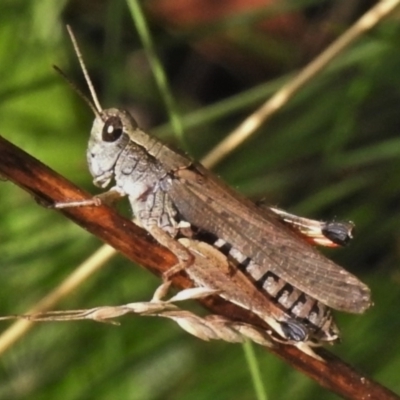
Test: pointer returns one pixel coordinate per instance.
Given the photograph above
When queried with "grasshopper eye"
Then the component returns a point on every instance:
(112, 129)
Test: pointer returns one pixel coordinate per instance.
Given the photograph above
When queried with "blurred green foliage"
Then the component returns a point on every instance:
(333, 152)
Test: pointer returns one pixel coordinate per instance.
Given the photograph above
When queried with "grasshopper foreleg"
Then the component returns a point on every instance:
(109, 198)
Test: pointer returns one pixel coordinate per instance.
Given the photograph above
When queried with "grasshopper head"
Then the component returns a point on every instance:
(108, 139)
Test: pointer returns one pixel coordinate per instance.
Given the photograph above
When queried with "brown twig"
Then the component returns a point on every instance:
(48, 187)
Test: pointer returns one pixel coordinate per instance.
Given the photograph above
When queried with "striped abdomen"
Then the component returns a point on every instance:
(308, 314)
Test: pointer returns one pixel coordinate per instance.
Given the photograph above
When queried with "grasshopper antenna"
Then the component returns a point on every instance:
(94, 104)
(78, 91)
(84, 70)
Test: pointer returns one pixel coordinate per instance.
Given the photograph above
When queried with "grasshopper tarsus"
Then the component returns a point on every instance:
(94, 202)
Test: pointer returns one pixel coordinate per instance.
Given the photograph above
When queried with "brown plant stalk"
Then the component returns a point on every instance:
(47, 187)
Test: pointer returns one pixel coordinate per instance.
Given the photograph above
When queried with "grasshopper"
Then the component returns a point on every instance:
(266, 264)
